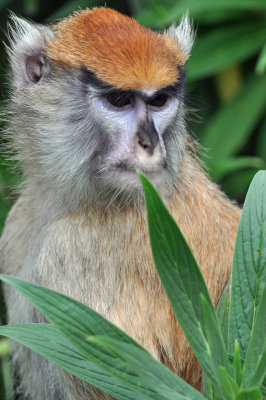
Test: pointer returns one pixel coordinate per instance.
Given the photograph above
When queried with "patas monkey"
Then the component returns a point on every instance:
(95, 97)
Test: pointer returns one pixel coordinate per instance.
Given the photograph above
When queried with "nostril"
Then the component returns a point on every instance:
(143, 145)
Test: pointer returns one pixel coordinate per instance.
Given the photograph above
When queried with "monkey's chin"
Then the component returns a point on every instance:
(123, 186)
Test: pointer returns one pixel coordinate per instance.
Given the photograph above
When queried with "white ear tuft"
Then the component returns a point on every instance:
(183, 34)
(26, 50)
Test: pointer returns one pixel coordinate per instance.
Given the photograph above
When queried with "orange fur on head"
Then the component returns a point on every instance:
(117, 48)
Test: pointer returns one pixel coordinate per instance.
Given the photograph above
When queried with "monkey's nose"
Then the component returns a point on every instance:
(147, 136)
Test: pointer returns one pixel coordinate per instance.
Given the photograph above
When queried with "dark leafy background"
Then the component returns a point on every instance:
(226, 93)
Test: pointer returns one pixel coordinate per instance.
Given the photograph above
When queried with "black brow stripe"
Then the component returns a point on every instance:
(90, 78)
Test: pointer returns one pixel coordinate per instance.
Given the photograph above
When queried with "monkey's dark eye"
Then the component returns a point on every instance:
(159, 101)
(118, 100)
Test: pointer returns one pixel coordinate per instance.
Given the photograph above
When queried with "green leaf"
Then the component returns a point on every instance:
(213, 331)
(78, 323)
(55, 305)
(237, 365)
(231, 126)
(150, 371)
(255, 361)
(249, 394)
(220, 167)
(261, 63)
(249, 272)
(4, 347)
(207, 388)
(229, 384)
(184, 285)
(47, 341)
(223, 47)
(222, 313)
(6, 381)
(198, 10)
(260, 373)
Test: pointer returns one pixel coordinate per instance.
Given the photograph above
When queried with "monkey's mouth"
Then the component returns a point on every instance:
(130, 171)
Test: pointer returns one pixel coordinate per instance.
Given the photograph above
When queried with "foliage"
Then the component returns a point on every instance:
(226, 84)
(85, 344)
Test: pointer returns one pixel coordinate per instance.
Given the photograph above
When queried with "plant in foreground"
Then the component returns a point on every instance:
(230, 344)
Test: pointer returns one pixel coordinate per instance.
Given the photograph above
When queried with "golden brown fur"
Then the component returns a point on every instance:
(138, 58)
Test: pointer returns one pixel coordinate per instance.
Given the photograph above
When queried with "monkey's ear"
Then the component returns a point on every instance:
(26, 51)
(183, 34)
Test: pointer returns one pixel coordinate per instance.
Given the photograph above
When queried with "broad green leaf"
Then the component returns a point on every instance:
(229, 384)
(78, 316)
(207, 388)
(223, 47)
(220, 167)
(77, 323)
(255, 361)
(237, 365)
(6, 381)
(249, 272)
(231, 126)
(197, 9)
(150, 371)
(261, 63)
(260, 373)
(249, 394)
(222, 313)
(184, 285)
(47, 341)
(212, 332)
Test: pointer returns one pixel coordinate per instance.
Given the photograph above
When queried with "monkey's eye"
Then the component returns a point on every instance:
(159, 101)
(118, 100)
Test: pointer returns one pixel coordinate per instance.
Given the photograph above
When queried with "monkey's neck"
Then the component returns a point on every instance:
(206, 217)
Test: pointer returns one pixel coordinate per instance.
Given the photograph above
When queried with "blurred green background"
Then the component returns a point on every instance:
(226, 93)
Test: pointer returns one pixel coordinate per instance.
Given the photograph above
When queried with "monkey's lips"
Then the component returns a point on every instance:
(130, 172)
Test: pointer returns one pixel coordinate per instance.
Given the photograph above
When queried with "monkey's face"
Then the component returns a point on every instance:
(95, 112)
(124, 130)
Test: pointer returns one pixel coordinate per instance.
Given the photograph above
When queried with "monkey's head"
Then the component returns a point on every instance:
(96, 97)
